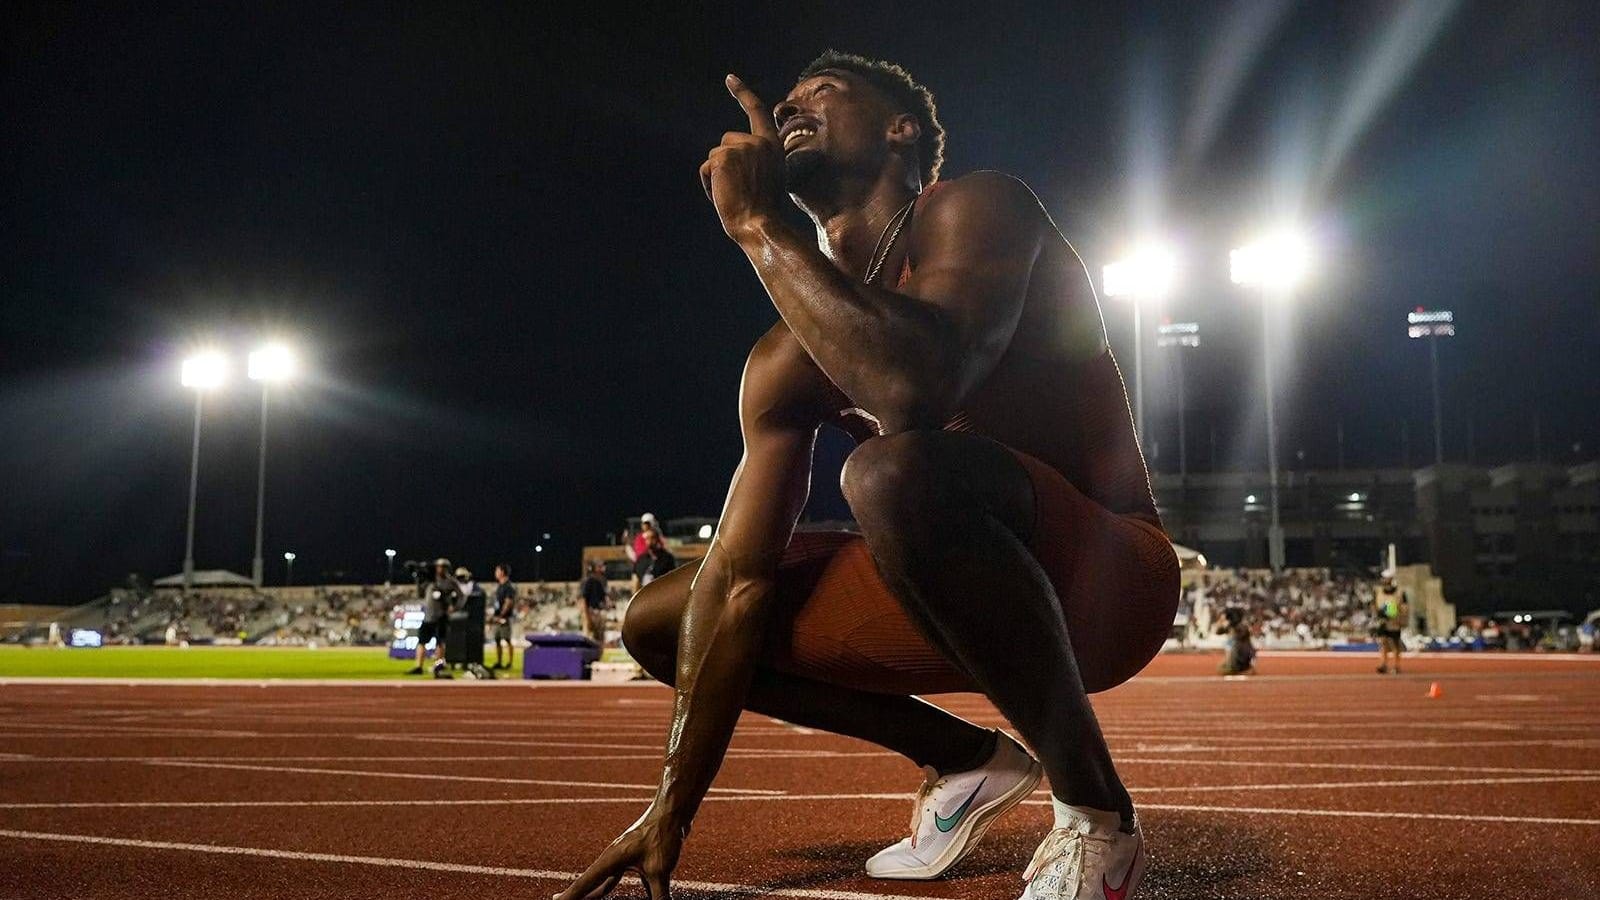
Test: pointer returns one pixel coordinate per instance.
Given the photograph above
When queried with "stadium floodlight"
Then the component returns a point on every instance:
(1433, 324)
(1276, 262)
(705, 532)
(288, 567)
(1280, 259)
(390, 554)
(1147, 273)
(204, 371)
(273, 363)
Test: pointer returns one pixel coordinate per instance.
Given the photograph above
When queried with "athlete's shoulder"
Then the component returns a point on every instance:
(985, 195)
(984, 185)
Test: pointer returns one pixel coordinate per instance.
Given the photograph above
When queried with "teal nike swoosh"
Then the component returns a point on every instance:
(943, 824)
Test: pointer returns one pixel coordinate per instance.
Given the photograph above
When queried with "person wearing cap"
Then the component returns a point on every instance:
(638, 548)
(442, 597)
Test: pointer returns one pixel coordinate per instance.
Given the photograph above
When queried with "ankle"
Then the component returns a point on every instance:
(966, 756)
(1102, 816)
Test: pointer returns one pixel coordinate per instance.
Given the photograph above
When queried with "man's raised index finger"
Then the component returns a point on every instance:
(760, 117)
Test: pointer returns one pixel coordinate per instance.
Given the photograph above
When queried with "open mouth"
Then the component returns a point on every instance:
(794, 138)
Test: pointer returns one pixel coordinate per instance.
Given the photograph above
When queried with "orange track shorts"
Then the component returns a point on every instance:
(1115, 576)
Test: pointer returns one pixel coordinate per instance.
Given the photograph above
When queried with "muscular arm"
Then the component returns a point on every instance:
(729, 607)
(910, 357)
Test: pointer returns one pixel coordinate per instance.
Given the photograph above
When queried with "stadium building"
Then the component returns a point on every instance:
(1518, 535)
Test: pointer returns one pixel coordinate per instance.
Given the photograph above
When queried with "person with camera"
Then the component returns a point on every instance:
(1240, 656)
(439, 599)
(1391, 610)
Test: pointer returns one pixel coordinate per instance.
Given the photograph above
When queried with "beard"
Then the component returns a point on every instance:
(802, 169)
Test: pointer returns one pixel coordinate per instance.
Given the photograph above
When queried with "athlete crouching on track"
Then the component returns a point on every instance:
(1009, 542)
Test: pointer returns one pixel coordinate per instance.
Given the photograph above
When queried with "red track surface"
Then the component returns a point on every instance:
(1315, 779)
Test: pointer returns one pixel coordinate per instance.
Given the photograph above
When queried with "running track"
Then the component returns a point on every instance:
(1315, 779)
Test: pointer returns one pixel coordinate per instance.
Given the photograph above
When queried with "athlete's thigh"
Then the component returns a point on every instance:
(940, 469)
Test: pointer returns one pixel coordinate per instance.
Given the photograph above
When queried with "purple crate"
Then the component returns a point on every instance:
(559, 655)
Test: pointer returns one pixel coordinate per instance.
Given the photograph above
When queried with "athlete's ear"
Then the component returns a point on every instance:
(905, 129)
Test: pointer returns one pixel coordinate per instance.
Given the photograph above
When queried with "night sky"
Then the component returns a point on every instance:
(483, 226)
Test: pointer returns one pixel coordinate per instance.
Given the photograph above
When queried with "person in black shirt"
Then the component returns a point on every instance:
(505, 610)
(595, 600)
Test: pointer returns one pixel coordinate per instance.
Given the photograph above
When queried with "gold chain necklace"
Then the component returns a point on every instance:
(880, 250)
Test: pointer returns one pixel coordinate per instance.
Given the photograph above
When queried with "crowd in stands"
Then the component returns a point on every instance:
(1306, 607)
(360, 615)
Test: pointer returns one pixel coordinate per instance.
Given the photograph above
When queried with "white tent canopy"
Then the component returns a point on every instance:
(209, 578)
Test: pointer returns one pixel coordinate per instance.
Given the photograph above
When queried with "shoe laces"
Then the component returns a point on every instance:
(1078, 848)
(931, 781)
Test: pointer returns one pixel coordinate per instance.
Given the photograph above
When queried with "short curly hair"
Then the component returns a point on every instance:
(898, 85)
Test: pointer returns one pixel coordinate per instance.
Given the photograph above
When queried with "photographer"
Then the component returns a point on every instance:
(1239, 657)
(440, 598)
(1391, 610)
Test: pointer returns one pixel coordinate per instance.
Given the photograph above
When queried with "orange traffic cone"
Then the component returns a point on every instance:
(1434, 691)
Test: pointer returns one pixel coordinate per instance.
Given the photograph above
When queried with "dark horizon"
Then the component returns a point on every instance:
(520, 315)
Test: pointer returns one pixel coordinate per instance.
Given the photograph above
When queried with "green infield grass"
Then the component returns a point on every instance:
(200, 662)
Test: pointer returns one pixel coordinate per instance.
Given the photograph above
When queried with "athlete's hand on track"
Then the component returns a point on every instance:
(649, 848)
(743, 175)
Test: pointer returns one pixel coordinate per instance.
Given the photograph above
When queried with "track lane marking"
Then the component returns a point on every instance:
(432, 866)
(428, 776)
(1356, 813)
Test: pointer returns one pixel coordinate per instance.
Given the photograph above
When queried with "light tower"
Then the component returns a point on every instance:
(1433, 324)
(390, 555)
(288, 567)
(202, 372)
(1145, 274)
(1177, 336)
(272, 364)
(1275, 263)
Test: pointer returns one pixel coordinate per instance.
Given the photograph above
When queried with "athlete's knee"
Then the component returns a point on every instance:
(893, 478)
(650, 632)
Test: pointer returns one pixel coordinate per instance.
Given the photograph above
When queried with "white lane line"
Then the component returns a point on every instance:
(231, 804)
(1356, 813)
(1332, 785)
(1380, 767)
(424, 776)
(430, 866)
(1300, 746)
(889, 797)
(735, 754)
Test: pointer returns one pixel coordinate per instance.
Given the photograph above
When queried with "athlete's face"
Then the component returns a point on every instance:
(832, 121)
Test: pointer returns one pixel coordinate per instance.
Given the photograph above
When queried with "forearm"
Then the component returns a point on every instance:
(893, 355)
(723, 626)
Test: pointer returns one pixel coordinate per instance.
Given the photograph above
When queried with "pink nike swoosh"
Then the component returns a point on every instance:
(1121, 893)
